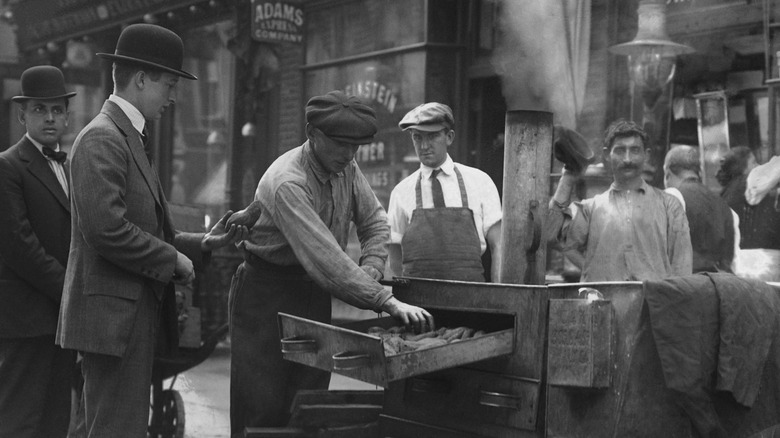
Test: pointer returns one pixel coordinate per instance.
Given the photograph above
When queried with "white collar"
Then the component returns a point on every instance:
(447, 168)
(132, 113)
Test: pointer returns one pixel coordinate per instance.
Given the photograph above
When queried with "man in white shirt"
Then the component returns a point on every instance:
(445, 215)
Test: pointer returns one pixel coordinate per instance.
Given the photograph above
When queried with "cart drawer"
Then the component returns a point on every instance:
(350, 351)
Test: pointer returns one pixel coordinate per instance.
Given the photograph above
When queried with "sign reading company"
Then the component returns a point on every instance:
(277, 22)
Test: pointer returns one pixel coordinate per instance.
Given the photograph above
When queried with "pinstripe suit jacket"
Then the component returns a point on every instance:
(123, 244)
(34, 241)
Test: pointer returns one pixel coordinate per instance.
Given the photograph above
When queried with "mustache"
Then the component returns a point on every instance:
(628, 166)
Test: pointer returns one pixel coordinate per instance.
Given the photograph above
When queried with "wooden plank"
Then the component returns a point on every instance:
(324, 397)
(276, 432)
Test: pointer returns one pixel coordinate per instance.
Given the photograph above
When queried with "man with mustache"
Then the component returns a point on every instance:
(633, 231)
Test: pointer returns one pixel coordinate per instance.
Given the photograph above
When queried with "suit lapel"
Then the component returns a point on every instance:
(39, 168)
(133, 139)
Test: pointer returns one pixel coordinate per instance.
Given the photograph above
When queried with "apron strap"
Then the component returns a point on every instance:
(464, 197)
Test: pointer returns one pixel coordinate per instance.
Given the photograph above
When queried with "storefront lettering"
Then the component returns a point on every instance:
(374, 91)
(371, 153)
(276, 21)
(268, 10)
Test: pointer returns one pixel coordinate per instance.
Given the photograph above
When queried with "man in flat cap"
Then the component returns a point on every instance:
(35, 373)
(294, 259)
(444, 215)
(631, 232)
(125, 254)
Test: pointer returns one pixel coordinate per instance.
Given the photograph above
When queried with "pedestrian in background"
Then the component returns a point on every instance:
(35, 373)
(125, 252)
(709, 217)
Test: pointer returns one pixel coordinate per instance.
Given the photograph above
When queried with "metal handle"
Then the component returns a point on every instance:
(297, 345)
(350, 360)
(435, 386)
(499, 400)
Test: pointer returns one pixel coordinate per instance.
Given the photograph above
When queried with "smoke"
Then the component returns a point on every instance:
(542, 55)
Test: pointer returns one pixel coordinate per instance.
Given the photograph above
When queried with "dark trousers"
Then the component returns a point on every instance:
(262, 384)
(35, 388)
(117, 389)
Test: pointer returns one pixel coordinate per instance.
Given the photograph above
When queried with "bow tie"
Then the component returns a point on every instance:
(57, 156)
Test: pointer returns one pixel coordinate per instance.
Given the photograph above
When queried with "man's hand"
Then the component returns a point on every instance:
(372, 272)
(246, 217)
(412, 316)
(222, 234)
(183, 273)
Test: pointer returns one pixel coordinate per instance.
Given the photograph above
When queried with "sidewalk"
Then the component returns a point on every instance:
(205, 390)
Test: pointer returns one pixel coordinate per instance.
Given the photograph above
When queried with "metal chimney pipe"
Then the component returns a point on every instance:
(528, 140)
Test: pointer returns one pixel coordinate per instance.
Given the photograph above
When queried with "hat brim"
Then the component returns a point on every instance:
(571, 148)
(434, 127)
(122, 58)
(26, 98)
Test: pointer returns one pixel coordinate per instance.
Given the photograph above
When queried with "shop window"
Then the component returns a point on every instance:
(363, 26)
(202, 131)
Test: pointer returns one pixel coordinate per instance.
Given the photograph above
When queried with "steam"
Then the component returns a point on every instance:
(542, 55)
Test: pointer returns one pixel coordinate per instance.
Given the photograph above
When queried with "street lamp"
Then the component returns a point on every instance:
(651, 54)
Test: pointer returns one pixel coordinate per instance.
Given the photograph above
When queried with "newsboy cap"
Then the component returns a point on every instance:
(43, 82)
(150, 45)
(341, 117)
(431, 117)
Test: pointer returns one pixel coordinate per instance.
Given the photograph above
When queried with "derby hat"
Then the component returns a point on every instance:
(150, 45)
(571, 148)
(43, 82)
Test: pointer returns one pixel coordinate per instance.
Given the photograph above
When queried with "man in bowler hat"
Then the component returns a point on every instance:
(125, 254)
(295, 260)
(35, 374)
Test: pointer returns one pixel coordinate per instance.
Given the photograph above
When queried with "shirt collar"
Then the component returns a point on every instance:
(644, 188)
(132, 113)
(39, 145)
(447, 168)
(320, 172)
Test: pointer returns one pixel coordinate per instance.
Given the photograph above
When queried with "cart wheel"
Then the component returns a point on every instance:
(168, 417)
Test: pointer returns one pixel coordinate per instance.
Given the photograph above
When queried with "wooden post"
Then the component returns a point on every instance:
(528, 142)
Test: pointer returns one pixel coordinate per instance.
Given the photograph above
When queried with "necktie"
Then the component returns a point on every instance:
(438, 196)
(51, 154)
(147, 148)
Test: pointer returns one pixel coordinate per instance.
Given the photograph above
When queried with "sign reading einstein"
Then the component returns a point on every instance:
(277, 21)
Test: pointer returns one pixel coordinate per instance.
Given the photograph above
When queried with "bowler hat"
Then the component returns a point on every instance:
(571, 149)
(150, 45)
(43, 82)
(430, 117)
(342, 117)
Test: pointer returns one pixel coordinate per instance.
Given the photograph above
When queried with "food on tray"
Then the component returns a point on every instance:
(397, 340)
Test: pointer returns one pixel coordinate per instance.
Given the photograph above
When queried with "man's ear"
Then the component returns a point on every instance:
(310, 132)
(20, 116)
(450, 136)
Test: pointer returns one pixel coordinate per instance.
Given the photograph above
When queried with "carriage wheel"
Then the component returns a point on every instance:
(168, 417)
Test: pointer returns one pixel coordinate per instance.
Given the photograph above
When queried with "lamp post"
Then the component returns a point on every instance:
(652, 59)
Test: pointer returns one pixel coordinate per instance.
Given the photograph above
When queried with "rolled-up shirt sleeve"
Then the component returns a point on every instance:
(319, 252)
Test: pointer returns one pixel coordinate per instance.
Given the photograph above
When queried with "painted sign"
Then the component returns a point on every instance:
(41, 21)
(277, 22)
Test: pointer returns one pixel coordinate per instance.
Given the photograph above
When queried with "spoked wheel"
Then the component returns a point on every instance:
(167, 415)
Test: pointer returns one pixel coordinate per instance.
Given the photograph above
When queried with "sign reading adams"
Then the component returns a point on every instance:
(277, 22)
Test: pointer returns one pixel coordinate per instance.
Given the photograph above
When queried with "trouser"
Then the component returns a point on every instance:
(262, 384)
(116, 390)
(35, 388)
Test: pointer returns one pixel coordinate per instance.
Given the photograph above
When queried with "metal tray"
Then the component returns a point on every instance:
(348, 350)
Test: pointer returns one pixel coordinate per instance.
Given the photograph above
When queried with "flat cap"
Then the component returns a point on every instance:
(431, 117)
(341, 117)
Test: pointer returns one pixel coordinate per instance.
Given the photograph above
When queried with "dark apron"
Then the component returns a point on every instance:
(262, 384)
(442, 243)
